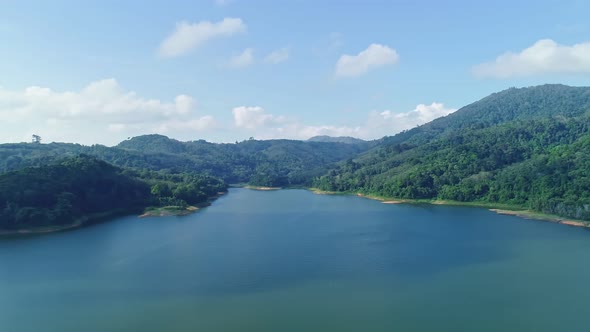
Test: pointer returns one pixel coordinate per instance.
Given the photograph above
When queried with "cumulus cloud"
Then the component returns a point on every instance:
(373, 57)
(188, 36)
(278, 56)
(102, 112)
(262, 125)
(253, 117)
(543, 57)
(242, 60)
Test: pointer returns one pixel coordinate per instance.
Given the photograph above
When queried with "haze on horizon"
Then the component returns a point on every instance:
(225, 70)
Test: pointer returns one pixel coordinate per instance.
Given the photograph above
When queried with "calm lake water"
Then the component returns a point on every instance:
(294, 261)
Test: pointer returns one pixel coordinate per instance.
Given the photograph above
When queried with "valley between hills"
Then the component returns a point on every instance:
(521, 149)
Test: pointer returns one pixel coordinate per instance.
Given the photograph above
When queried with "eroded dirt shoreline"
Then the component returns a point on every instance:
(525, 214)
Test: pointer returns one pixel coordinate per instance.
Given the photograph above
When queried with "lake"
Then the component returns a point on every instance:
(291, 260)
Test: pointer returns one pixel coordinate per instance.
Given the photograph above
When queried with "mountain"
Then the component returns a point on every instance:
(537, 102)
(267, 163)
(339, 139)
(525, 147)
(153, 144)
(278, 162)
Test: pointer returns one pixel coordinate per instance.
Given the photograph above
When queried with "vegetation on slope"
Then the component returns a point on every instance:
(83, 187)
(523, 147)
(262, 163)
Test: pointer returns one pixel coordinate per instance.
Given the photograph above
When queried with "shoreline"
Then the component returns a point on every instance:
(532, 215)
(262, 188)
(105, 216)
(169, 211)
(79, 223)
(42, 230)
(504, 209)
(166, 211)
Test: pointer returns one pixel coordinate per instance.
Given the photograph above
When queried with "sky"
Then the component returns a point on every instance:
(99, 72)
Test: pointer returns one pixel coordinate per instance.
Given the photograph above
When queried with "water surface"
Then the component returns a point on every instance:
(294, 261)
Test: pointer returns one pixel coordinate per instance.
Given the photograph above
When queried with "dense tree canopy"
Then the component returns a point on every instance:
(524, 147)
(80, 187)
(272, 162)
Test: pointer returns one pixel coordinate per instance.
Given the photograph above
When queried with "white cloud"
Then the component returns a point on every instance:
(242, 60)
(389, 123)
(262, 125)
(543, 57)
(102, 112)
(188, 36)
(278, 56)
(373, 57)
(254, 117)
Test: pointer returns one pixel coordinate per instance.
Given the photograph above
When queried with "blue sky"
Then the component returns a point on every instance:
(101, 71)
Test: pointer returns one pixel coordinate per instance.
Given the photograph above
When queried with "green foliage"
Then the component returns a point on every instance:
(158, 170)
(524, 147)
(270, 163)
(63, 192)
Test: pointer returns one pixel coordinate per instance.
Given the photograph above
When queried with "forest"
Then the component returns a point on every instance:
(83, 188)
(527, 148)
(60, 183)
(257, 162)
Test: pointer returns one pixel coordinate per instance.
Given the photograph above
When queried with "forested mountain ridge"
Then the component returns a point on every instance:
(46, 185)
(277, 162)
(541, 101)
(268, 163)
(524, 147)
(527, 147)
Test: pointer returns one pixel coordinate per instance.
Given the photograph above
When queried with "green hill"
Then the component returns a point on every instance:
(525, 147)
(266, 163)
(61, 193)
(80, 189)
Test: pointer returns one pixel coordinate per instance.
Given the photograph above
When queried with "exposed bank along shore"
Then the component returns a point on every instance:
(526, 214)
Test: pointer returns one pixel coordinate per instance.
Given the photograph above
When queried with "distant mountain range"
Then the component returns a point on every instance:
(524, 148)
(339, 139)
(265, 163)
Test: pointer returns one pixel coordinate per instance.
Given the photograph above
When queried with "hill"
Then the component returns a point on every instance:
(339, 139)
(538, 102)
(527, 148)
(524, 147)
(264, 163)
(80, 189)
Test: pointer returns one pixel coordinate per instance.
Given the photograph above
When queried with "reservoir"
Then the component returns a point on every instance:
(291, 260)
